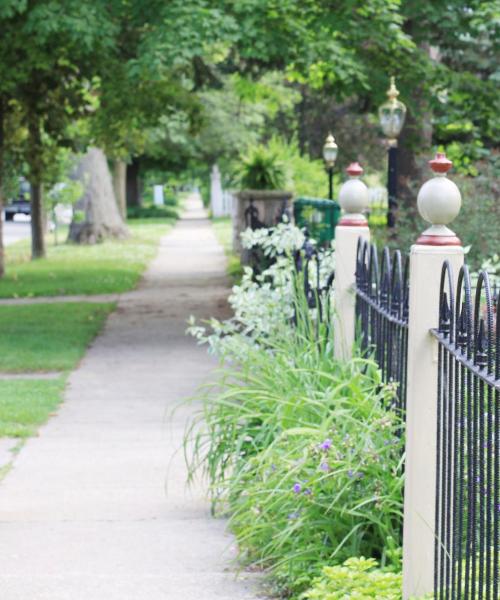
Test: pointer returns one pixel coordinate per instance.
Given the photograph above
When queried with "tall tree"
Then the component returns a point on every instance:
(47, 60)
(151, 74)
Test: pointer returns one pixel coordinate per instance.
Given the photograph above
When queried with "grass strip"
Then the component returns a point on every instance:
(223, 229)
(25, 404)
(48, 337)
(70, 269)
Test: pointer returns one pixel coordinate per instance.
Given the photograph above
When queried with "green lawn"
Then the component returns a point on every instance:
(48, 337)
(223, 229)
(26, 404)
(54, 337)
(110, 267)
(41, 337)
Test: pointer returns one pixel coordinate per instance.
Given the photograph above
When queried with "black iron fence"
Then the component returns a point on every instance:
(316, 285)
(382, 313)
(468, 444)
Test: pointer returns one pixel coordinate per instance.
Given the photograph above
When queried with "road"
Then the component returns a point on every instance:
(14, 231)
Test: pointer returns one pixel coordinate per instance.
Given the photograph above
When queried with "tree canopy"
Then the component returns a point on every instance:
(185, 83)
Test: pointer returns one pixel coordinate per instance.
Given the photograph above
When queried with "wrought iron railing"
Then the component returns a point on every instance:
(468, 443)
(382, 314)
(316, 287)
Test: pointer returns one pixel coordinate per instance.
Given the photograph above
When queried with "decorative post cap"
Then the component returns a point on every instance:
(353, 198)
(439, 202)
(440, 164)
(354, 169)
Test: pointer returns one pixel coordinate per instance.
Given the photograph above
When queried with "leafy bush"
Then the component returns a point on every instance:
(261, 303)
(262, 169)
(152, 211)
(357, 579)
(300, 449)
(308, 176)
(330, 484)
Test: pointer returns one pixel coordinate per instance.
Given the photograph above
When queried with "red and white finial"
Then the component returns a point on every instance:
(354, 169)
(439, 202)
(353, 198)
(440, 164)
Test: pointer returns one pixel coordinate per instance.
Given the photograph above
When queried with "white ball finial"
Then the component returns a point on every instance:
(439, 202)
(353, 198)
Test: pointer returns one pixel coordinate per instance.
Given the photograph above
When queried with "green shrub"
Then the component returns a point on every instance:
(151, 211)
(301, 449)
(308, 176)
(356, 579)
(262, 169)
(330, 485)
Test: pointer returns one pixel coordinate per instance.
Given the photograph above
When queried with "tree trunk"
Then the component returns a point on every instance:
(37, 221)
(2, 139)
(133, 184)
(35, 180)
(96, 215)
(415, 139)
(120, 186)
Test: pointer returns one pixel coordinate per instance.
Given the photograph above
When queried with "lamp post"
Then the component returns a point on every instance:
(392, 117)
(330, 150)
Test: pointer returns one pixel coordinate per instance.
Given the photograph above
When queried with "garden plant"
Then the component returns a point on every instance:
(302, 450)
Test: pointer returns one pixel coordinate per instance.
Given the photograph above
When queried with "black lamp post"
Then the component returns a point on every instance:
(392, 117)
(330, 150)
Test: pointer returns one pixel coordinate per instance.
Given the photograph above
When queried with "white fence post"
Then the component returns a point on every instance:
(216, 194)
(353, 198)
(438, 203)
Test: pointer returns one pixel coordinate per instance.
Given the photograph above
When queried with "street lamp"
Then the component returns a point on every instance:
(330, 150)
(392, 117)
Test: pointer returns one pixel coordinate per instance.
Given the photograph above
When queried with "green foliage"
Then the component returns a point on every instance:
(262, 169)
(25, 404)
(357, 579)
(46, 337)
(241, 108)
(328, 482)
(301, 450)
(67, 192)
(308, 176)
(151, 211)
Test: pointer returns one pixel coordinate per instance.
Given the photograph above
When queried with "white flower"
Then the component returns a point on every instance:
(263, 303)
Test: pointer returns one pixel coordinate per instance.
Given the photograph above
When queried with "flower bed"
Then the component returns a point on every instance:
(301, 450)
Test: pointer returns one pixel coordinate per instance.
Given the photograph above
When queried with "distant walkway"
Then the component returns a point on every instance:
(87, 512)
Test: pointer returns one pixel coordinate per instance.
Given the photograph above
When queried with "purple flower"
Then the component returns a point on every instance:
(293, 515)
(326, 445)
(307, 491)
(297, 488)
(324, 466)
(350, 473)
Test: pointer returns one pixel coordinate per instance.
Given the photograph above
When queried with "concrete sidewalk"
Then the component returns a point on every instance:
(88, 511)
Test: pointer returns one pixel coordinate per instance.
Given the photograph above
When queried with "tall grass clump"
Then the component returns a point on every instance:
(302, 451)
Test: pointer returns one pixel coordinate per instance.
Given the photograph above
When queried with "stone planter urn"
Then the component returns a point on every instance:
(256, 209)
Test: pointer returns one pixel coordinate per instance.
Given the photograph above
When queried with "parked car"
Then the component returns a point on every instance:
(20, 205)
